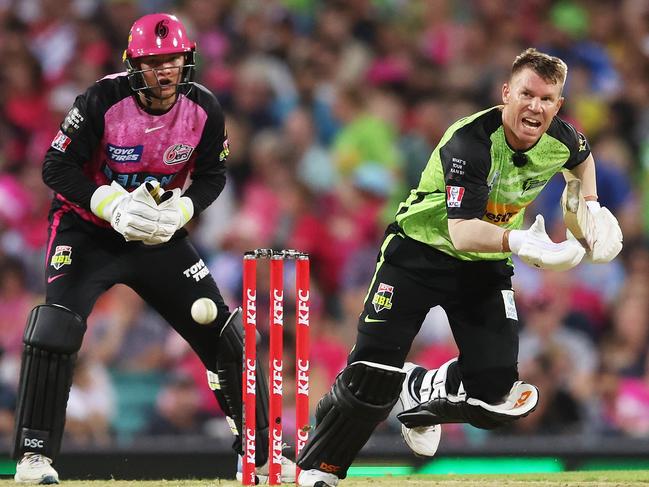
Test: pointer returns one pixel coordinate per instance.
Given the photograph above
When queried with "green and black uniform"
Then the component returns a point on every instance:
(470, 174)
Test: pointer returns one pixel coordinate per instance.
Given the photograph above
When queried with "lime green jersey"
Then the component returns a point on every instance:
(474, 173)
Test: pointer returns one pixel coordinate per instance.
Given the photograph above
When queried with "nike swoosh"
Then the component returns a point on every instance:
(372, 320)
(54, 278)
(146, 131)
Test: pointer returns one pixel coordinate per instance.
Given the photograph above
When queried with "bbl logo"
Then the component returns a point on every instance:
(226, 150)
(161, 29)
(383, 297)
(62, 256)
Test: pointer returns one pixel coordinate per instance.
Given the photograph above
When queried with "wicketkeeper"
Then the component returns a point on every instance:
(125, 135)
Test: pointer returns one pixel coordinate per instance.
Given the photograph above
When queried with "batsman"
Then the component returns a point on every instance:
(148, 131)
(451, 246)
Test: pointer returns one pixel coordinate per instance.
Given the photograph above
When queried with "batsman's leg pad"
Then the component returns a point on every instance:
(51, 341)
(440, 407)
(362, 396)
(229, 367)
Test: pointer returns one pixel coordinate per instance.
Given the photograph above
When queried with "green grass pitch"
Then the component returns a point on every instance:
(634, 478)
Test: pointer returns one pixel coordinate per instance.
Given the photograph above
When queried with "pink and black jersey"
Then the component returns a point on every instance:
(108, 135)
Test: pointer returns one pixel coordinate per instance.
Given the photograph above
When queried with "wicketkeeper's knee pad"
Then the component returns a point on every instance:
(362, 396)
(52, 338)
(439, 406)
(227, 384)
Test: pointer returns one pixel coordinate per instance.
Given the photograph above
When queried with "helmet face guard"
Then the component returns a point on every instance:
(156, 35)
(137, 81)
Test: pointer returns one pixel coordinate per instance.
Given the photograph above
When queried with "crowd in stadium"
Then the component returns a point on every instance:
(332, 110)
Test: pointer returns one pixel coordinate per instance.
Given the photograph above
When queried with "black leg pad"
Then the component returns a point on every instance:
(52, 339)
(229, 366)
(362, 396)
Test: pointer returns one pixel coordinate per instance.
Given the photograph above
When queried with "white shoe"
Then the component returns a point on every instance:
(288, 471)
(423, 440)
(34, 468)
(317, 478)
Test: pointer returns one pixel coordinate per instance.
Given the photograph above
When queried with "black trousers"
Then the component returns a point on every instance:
(411, 278)
(83, 261)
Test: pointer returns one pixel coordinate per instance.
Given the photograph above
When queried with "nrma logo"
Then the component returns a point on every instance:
(124, 154)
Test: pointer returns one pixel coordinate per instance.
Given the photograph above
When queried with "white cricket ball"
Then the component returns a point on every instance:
(204, 311)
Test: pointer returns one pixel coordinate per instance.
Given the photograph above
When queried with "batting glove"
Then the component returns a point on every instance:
(536, 249)
(608, 235)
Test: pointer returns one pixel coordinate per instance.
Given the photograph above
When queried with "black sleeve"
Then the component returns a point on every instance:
(73, 145)
(573, 139)
(208, 176)
(466, 164)
(579, 151)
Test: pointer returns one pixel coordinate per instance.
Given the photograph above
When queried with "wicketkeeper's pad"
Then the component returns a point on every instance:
(51, 341)
(229, 367)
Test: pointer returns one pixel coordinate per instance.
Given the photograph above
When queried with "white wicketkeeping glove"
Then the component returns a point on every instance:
(174, 212)
(608, 235)
(536, 249)
(134, 215)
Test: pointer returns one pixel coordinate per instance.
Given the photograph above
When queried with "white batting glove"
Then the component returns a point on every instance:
(174, 212)
(134, 215)
(536, 249)
(608, 235)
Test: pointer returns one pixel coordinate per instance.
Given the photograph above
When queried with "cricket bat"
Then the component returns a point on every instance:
(576, 215)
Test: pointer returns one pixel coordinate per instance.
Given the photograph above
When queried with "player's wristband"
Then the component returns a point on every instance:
(504, 243)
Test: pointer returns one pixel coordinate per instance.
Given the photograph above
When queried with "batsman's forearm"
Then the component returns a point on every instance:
(475, 235)
(586, 173)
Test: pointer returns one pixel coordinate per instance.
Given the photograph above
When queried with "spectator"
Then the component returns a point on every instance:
(177, 409)
(574, 356)
(331, 106)
(91, 404)
(126, 335)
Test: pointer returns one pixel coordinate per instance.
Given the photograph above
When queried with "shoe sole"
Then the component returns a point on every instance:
(47, 480)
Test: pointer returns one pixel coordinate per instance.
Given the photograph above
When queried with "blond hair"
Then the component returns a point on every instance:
(550, 68)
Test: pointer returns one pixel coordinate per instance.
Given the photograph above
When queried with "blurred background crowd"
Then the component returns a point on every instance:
(332, 109)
